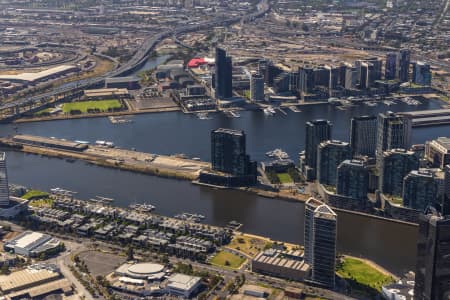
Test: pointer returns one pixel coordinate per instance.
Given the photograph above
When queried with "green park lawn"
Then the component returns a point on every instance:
(285, 178)
(227, 259)
(35, 194)
(84, 106)
(362, 274)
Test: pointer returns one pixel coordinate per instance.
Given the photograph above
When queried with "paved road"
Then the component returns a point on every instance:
(63, 261)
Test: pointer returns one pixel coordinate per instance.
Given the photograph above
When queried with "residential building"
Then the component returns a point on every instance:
(363, 136)
(364, 82)
(324, 233)
(310, 206)
(257, 87)
(446, 202)
(437, 152)
(391, 66)
(330, 154)
(433, 257)
(4, 187)
(394, 131)
(317, 131)
(306, 80)
(350, 77)
(422, 73)
(223, 75)
(228, 152)
(419, 190)
(395, 165)
(404, 59)
(353, 179)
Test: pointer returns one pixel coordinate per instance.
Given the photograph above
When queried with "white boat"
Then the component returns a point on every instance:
(277, 153)
(269, 111)
(203, 116)
(235, 114)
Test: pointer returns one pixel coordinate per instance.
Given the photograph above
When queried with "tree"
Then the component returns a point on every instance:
(5, 269)
(130, 253)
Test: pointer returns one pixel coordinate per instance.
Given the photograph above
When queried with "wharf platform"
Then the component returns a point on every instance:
(160, 165)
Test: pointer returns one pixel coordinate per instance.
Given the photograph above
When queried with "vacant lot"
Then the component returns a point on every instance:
(100, 263)
(84, 106)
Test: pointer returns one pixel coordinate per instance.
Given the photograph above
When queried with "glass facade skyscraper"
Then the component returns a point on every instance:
(363, 136)
(433, 257)
(4, 188)
(330, 155)
(223, 75)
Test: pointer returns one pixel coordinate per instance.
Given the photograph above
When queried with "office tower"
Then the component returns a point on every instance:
(257, 87)
(330, 155)
(391, 66)
(351, 78)
(437, 152)
(403, 65)
(395, 165)
(421, 73)
(363, 136)
(419, 189)
(4, 188)
(306, 80)
(223, 75)
(364, 82)
(394, 131)
(317, 131)
(324, 246)
(433, 257)
(353, 179)
(228, 153)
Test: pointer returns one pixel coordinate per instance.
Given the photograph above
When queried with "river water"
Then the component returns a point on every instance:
(389, 244)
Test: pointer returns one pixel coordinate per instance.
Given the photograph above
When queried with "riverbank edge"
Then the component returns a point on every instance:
(98, 115)
(182, 175)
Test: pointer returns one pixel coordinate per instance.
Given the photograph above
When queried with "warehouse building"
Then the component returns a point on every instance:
(284, 264)
(34, 282)
(49, 142)
(183, 285)
(32, 244)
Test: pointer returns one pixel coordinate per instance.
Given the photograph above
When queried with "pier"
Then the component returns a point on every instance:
(422, 118)
(161, 165)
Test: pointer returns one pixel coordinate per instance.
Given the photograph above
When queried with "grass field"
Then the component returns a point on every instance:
(84, 106)
(35, 194)
(364, 276)
(248, 245)
(285, 178)
(227, 259)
